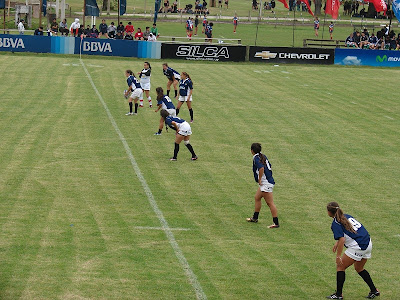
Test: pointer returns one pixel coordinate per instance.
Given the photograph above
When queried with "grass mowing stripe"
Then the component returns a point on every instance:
(168, 232)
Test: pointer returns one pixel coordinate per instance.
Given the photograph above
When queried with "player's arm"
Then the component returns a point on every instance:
(158, 107)
(260, 174)
(175, 126)
(338, 248)
(190, 90)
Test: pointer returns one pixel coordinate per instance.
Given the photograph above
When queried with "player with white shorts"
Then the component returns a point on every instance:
(185, 94)
(134, 92)
(144, 76)
(173, 77)
(164, 102)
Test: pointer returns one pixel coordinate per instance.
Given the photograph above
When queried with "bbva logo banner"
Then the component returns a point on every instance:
(96, 47)
(15, 43)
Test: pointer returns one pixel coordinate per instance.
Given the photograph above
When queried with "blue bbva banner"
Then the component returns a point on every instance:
(363, 57)
(71, 45)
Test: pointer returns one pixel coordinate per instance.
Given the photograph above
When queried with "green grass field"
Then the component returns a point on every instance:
(76, 222)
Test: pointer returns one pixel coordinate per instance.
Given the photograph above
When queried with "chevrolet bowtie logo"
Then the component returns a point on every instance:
(265, 55)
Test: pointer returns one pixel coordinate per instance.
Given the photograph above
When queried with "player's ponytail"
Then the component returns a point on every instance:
(129, 72)
(256, 147)
(336, 211)
(164, 113)
(160, 93)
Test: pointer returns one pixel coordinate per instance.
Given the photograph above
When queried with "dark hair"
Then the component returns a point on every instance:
(336, 211)
(160, 93)
(112, 23)
(130, 23)
(129, 72)
(164, 113)
(256, 147)
(154, 24)
(211, 24)
(147, 27)
(165, 64)
(187, 75)
(146, 62)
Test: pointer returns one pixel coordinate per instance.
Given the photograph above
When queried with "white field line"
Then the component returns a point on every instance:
(160, 228)
(164, 224)
(390, 118)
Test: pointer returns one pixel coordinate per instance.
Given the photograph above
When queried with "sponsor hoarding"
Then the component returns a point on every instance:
(204, 52)
(292, 55)
(375, 58)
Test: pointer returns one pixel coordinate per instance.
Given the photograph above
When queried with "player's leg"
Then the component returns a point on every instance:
(147, 92)
(189, 146)
(269, 199)
(160, 126)
(189, 105)
(178, 140)
(341, 265)
(175, 83)
(178, 106)
(130, 106)
(257, 206)
(168, 87)
(359, 267)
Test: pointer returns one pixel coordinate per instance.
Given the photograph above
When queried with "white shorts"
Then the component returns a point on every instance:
(184, 98)
(177, 76)
(266, 186)
(137, 93)
(172, 112)
(145, 86)
(357, 254)
(184, 129)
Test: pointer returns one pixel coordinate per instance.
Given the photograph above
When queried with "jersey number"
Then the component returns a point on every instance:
(356, 225)
(268, 165)
(168, 99)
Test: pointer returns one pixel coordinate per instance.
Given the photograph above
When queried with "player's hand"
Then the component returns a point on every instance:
(339, 261)
(335, 247)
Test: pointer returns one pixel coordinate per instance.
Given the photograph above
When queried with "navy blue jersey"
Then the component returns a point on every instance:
(169, 120)
(257, 165)
(170, 73)
(358, 240)
(209, 29)
(166, 103)
(185, 86)
(133, 82)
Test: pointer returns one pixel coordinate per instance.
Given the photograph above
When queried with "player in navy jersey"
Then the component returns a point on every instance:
(331, 30)
(350, 233)
(173, 77)
(134, 91)
(263, 176)
(164, 102)
(185, 94)
(208, 32)
(235, 23)
(189, 28)
(316, 26)
(183, 133)
(144, 76)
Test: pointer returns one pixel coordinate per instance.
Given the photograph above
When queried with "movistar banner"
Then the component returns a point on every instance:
(375, 58)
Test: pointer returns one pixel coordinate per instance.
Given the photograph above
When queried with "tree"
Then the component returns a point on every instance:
(318, 5)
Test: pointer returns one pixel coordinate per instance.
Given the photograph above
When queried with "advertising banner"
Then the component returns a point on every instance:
(292, 55)
(203, 52)
(25, 43)
(375, 58)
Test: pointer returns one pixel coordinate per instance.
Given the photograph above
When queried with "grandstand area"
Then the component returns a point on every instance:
(91, 207)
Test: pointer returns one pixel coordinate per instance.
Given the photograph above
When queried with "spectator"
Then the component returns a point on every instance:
(174, 8)
(357, 39)
(128, 36)
(139, 34)
(363, 40)
(154, 30)
(54, 27)
(372, 41)
(129, 28)
(166, 6)
(94, 33)
(103, 28)
(380, 44)
(146, 33)
(39, 31)
(81, 31)
(111, 30)
(63, 27)
(119, 36)
(255, 5)
(87, 31)
(152, 38)
(21, 27)
(219, 3)
(398, 42)
(392, 43)
(74, 27)
(350, 41)
(227, 3)
(121, 29)
(273, 5)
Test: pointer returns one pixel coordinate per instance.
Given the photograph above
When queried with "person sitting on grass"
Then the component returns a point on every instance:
(146, 33)
(139, 35)
(39, 31)
(363, 40)
(372, 41)
(54, 27)
(154, 31)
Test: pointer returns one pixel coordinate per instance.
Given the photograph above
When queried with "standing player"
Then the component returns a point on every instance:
(183, 133)
(196, 24)
(164, 102)
(263, 176)
(331, 30)
(316, 26)
(189, 28)
(173, 77)
(235, 23)
(144, 76)
(351, 234)
(135, 91)
(205, 23)
(209, 32)
(185, 94)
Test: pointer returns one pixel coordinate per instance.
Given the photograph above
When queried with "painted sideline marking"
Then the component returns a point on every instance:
(164, 224)
(390, 118)
(160, 228)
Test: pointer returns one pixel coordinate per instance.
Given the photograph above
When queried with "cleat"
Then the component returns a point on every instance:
(129, 114)
(191, 121)
(194, 158)
(273, 226)
(252, 220)
(372, 295)
(334, 296)
(151, 106)
(173, 159)
(157, 133)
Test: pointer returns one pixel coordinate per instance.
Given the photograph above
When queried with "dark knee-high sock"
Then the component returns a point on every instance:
(176, 150)
(191, 113)
(275, 220)
(130, 107)
(255, 215)
(168, 92)
(136, 106)
(176, 93)
(368, 280)
(177, 111)
(340, 278)
(191, 150)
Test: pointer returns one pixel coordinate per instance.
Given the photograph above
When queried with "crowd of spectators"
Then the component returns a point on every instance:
(120, 32)
(199, 7)
(384, 39)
